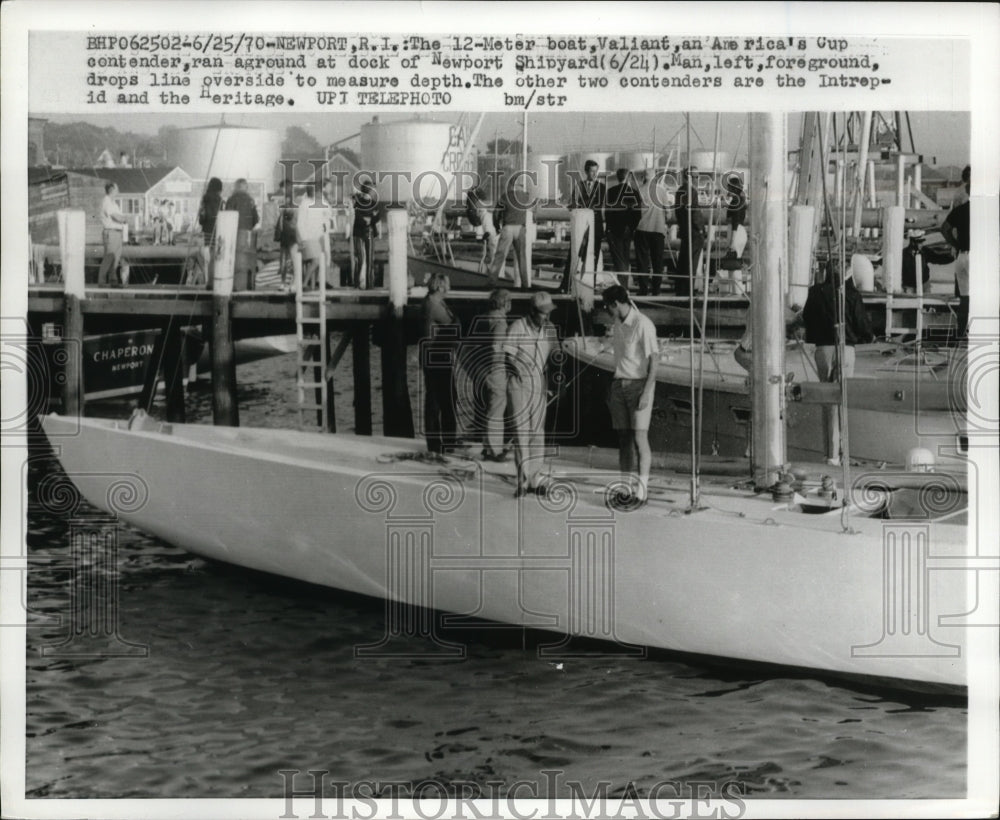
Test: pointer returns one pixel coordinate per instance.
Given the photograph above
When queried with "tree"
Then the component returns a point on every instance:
(300, 145)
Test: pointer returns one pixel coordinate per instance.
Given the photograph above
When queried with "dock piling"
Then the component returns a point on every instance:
(225, 410)
(362, 378)
(397, 415)
(173, 369)
(72, 247)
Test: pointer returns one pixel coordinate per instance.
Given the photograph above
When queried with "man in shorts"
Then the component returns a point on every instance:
(630, 398)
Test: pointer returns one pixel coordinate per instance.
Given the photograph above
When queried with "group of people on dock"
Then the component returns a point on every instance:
(634, 212)
(507, 364)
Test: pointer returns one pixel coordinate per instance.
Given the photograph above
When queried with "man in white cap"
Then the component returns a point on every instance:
(530, 341)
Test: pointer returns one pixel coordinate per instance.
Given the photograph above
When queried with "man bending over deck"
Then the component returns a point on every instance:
(630, 398)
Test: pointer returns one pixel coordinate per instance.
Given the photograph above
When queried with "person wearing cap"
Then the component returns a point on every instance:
(630, 397)
(819, 318)
(911, 254)
(530, 341)
(651, 236)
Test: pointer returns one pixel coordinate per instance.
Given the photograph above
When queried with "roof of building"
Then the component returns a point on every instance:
(129, 180)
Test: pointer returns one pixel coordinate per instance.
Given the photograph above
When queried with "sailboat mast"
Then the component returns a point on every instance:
(768, 226)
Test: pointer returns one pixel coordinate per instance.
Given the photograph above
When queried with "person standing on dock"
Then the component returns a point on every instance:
(591, 193)
(955, 230)
(113, 224)
(310, 222)
(438, 356)
(493, 384)
(284, 230)
(691, 228)
(530, 341)
(822, 328)
(624, 211)
(650, 237)
(480, 216)
(630, 398)
(246, 253)
(512, 211)
(366, 216)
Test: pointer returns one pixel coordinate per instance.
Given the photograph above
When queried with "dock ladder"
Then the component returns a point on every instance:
(311, 344)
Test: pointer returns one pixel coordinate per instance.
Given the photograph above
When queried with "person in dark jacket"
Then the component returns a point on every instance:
(623, 212)
(691, 229)
(246, 247)
(208, 211)
(820, 318)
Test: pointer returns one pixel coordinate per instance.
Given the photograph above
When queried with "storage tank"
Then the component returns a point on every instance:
(227, 152)
(636, 160)
(702, 160)
(421, 155)
(549, 170)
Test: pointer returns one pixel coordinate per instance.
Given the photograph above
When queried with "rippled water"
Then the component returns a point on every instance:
(247, 675)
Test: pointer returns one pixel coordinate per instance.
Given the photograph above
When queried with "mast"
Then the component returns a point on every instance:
(768, 225)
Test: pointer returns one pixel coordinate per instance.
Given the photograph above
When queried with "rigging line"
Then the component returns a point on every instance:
(841, 355)
(706, 261)
(690, 275)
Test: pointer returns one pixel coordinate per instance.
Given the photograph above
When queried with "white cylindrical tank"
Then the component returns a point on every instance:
(702, 160)
(415, 159)
(636, 160)
(226, 151)
(549, 170)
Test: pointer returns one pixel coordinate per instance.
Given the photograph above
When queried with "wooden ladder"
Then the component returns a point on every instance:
(311, 346)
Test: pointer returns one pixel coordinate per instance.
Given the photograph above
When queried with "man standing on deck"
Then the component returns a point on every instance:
(691, 229)
(492, 373)
(650, 237)
(246, 252)
(630, 398)
(956, 232)
(310, 223)
(822, 329)
(623, 215)
(530, 341)
(366, 216)
(113, 222)
(591, 193)
(480, 216)
(512, 210)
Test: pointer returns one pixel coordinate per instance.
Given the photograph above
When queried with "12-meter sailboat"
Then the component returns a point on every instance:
(813, 573)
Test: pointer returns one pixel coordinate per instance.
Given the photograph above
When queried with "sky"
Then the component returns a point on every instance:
(942, 137)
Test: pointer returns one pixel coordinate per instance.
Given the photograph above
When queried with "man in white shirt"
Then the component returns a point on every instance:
(311, 221)
(113, 222)
(630, 398)
(651, 236)
(530, 341)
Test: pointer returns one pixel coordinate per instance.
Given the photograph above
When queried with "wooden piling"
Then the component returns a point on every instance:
(72, 246)
(360, 337)
(225, 410)
(173, 369)
(397, 415)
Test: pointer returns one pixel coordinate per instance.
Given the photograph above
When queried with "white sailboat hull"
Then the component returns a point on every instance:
(741, 579)
(879, 431)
